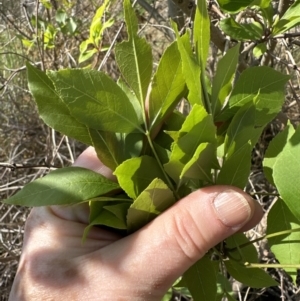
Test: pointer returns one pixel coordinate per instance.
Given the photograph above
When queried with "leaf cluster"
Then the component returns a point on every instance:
(157, 153)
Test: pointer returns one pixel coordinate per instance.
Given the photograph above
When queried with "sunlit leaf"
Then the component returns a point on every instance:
(52, 109)
(134, 56)
(95, 100)
(264, 83)
(168, 85)
(191, 68)
(285, 247)
(63, 186)
(201, 33)
(286, 173)
(274, 149)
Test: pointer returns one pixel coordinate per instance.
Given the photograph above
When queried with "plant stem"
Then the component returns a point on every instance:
(263, 237)
(206, 100)
(170, 184)
(270, 265)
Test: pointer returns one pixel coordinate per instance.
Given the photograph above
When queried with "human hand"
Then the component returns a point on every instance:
(55, 265)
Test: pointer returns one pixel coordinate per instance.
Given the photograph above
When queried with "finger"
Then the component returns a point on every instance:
(179, 237)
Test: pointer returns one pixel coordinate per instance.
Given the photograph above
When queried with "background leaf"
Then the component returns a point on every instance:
(286, 173)
(52, 109)
(290, 19)
(65, 186)
(95, 100)
(274, 149)
(234, 6)
(285, 247)
(264, 83)
(241, 32)
(134, 56)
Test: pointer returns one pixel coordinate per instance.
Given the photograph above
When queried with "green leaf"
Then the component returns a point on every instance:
(222, 82)
(191, 68)
(275, 147)
(235, 170)
(270, 85)
(134, 175)
(168, 86)
(239, 141)
(197, 128)
(114, 148)
(202, 162)
(285, 247)
(65, 186)
(286, 173)
(201, 280)
(253, 277)
(134, 56)
(234, 6)
(52, 109)
(105, 214)
(95, 100)
(201, 33)
(156, 198)
(260, 49)
(290, 19)
(244, 254)
(241, 32)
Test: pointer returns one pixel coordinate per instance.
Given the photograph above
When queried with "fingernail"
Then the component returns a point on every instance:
(232, 208)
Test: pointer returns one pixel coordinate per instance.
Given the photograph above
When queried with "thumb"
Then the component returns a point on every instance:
(164, 249)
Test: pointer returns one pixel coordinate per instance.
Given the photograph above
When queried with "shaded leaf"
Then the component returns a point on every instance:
(202, 162)
(168, 86)
(285, 247)
(222, 82)
(134, 56)
(253, 277)
(95, 100)
(156, 198)
(241, 32)
(234, 6)
(290, 19)
(201, 280)
(52, 109)
(134, 175)
(197, 128)
(65, 186)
